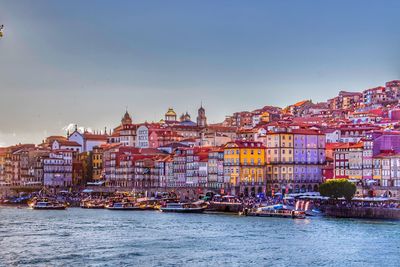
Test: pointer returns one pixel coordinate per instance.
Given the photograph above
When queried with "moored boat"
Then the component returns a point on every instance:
(92, 204)
(183, 208)
(275, 211)
(47, 204)
(148, 203)
(225, 204)
(122, 206)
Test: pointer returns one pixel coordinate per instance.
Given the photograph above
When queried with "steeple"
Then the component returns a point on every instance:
(126, 119)
(201, 117)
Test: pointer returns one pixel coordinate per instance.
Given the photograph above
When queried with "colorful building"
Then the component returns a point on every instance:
(295, 158)
(244, 167)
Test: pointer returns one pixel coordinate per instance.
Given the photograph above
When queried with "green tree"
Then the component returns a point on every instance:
(338, 188)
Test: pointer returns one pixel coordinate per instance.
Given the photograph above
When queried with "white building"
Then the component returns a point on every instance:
(66, 145)
(332, 136)
(87, 140)
(57, 168)
(142, 136)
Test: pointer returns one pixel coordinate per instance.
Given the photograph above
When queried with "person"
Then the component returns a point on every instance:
(1, 30)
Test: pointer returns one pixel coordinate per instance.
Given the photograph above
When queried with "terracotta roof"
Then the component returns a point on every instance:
(350, 145)
(331, 146)
(247, 144)
(298, 104)
(386, 154)
(97, 137)
(67, 143)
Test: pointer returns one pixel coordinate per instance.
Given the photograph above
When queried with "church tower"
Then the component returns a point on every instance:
(170, 115)
(201, 117)
(126, 119)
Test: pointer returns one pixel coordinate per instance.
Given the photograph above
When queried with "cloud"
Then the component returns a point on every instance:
(71, 127)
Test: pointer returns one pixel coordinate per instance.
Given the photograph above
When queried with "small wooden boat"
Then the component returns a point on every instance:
(182, 208)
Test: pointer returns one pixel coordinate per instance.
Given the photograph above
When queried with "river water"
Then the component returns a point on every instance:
(78, 237)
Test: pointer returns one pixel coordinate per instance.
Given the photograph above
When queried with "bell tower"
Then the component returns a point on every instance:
(201, 117)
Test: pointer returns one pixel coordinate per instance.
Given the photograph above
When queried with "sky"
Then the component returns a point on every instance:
(84, 62)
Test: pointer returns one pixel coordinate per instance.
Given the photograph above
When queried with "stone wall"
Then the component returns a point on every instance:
(363, 212)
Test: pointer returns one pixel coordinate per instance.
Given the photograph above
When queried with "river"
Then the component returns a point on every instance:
(78, 237)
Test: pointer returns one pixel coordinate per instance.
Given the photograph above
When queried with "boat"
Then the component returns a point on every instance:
(92, 204)
(275, 211)
(148, 203)
(122, 206)
(225, 204)
(183, 208)
(15, 200)
(47, 204)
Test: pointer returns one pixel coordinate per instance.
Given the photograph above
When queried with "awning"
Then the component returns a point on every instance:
(87, 190)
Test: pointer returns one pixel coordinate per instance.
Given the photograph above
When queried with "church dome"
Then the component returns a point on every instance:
(170, 112)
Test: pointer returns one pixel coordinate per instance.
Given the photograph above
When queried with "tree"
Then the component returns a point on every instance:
(337, 188)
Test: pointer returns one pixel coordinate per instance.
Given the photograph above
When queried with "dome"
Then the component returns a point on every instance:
(187, 123)
(170, 112)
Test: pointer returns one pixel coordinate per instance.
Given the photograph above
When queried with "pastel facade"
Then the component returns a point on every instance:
(244, 167)
(294, 160)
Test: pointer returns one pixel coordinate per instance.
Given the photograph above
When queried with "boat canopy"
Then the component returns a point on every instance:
(274, 207)
(87, 190)
(95, 183)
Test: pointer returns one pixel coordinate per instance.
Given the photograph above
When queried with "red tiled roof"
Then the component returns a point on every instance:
(247, 144)
(96, 137)
(385, 154)
(67, 143)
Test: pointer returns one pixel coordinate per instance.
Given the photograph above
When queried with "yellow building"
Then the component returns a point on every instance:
(265, 117)
(244, 167)
(97, 163)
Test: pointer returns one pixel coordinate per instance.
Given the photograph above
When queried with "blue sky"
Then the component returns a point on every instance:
(83, 62)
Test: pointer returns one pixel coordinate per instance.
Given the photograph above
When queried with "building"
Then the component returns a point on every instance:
(87, 140)
(32, 171)
(66, 145)
(244, 167)
(295, 159)
(57, 169)
(97, 163)
(216, 179)
(170, 116)
(12, 164)
(201, 117)
(348, 161)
